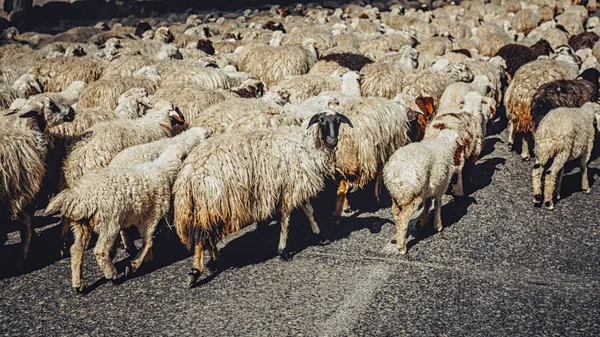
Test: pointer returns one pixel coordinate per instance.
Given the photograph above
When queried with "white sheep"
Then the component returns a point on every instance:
(418, 173)
(563, 134)
(110, 199)
(236, 179)
(456, 92)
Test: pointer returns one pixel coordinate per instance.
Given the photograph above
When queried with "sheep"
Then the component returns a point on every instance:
(339, 62)
(583, 40)
(23, 87)
(105, 92)
(382, 126)
(70, 95)
(105, 140)
(426, 105)
(110, 199)
(519, 93)
(433, 82)
(418, 173)
(304, 86)
(233, 180)
(469, 118)
(517, 55)
(564, 134)
(525, 21)
(456, 92)
(495, 70)
(58, 73)
(271, 64)
(565, 93)
(131, 105)
(22, 158)
(207, 78)
(381, 79)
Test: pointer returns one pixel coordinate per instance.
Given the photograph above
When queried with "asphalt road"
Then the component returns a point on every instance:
(500, 267)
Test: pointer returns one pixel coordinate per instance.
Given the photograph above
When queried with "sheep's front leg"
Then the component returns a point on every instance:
(309, 212)
(425, 212)
(26, 233)
(378, 180)
(585, 183)
(401, 216)
(536, 177)
(511, 135)
(64, 232)
(549, 187)
(342, 191)
(559, 179)
(198, 264)
(128, 244)
(437, 220)
(106, 240)
(283, 235)
(82, 236)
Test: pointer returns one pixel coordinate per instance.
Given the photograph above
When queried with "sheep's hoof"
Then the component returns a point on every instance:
(549, 205)
(526, 158)
(537, 200)
(129, 270)
(284, 255)
(78, 290)
(336, 220)
(402, 250)
(114, 281)
(588, 191)
(321, 239)
(193, 276)
(510, 146)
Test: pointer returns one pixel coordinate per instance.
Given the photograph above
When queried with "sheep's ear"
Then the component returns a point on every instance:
(11, 112)
(30, 113)
(345, 119)
(315, 119)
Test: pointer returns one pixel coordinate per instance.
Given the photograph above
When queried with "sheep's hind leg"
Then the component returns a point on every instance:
(585, 183)
(378, 184)
(550, 184)
(198, 265)
(401, 216)
(102, 251)
(511, 135)
(281, 248)
(64, 233)
(82, 234)
(525, 147)
(128, 243)
(146, 232)
(437, 220)
(536, 177)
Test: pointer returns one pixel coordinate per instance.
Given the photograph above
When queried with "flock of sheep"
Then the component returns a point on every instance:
(226, 119)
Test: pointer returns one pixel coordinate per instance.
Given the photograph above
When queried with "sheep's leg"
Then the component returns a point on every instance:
(105, 242)
(342, 191)
(146, 232)
(82, 236)
(585, 183)
(64, 232)
(458, 187)
(198, 265)
(549, 187)
(401, 216)
(511, 135)
(536, 177)
(128, 243)
(283, 235)
(437, 220)
(559, 179)
(309, 212)
(468, 174)
(425, 212)
(26, 233)
(378, 180)
(525, 147)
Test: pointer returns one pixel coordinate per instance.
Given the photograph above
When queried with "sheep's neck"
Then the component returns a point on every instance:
(351, 87)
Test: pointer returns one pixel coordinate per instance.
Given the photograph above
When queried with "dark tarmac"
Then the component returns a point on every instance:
(500, 267)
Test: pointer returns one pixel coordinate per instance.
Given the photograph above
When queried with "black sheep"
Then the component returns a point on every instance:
(583, 40)
(517, 55)
(565, 93)
(354, 62)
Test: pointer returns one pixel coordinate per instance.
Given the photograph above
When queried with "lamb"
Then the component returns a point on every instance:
(110, 199)
(517, 55)
(272, 64)
(233, 180)
(519, 93)
(469, 118)
(418, 173)
(105, 140)
(565, 93)
(23, 150)
(432, 82)
(564, 134)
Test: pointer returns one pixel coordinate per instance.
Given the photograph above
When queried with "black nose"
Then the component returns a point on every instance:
(70, 116)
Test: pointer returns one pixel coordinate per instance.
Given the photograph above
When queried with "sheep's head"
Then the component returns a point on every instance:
(164, 107)
(164, 35)
(46, 112)
(459, 72)
(139, 96)
(409, 102)
(329, 125)
(76, 87)
(141, 27)
(169, 52)
(28, 85)
(206, 46)
(75, 50)
(592, 75)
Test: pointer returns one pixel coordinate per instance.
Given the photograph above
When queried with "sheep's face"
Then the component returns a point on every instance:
(137, 95)
(459, 72)
(329, 126)
(46, 112)
(28, 84)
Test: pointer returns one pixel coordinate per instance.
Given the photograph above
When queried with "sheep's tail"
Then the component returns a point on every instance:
(71, 207)
(183, 204)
